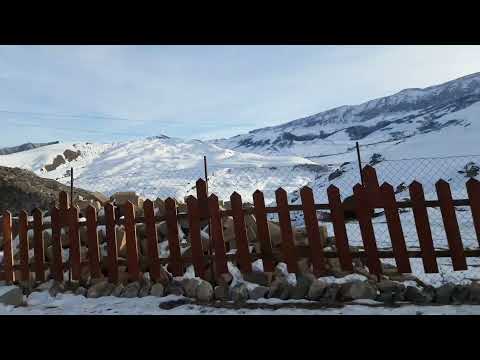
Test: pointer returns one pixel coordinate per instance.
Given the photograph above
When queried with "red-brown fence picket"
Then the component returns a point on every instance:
(38, 245)
(24, 245)
(131, 239)
(339, 230)
(263, 233)
(151, 238)
(57, 263)
(422, 224)
(288, 245)
(93, 249)
(473, 190)
(313, 231)
(240, 233)
(395, 228)
(7, 247)
(111, 237)
(451, 225)
(217, 236)
(172, 236)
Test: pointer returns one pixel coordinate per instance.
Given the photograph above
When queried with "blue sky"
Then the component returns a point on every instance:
(115, 93)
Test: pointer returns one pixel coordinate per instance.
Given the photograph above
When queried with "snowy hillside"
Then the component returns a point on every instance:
(423, 117)
(157, 166)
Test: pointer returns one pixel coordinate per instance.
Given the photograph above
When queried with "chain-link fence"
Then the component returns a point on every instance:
(456, 170)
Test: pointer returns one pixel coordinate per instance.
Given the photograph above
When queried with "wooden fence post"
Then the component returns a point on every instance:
(7, 248)
(263, 232)
(288, 246)
(243, 253)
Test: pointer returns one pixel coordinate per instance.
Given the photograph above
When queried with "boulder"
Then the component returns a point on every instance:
(316, 290)
(175, 288)
(145, 288)
(131, 290)
(474, 290)
(258, 292)
(56, 288)
(81, 291)
(279, 288)
(460, 294)
(390, 291)
(157, 290)
(101, 288)
(221, 292)
(331, 294)
(11, 295)
(444, 294)
(418, 296)
(302, 287)
(358, 290)
(239, 293)
(204, 291)
(190, 286)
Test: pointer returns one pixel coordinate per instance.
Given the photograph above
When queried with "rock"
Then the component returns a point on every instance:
(131, 290)
(461, 294)
(358, 290)
(11, 295)
(117, 292)
(190, 286)
(221, 292)
(258, 277)
(301, 289)
(157, 290)
(145, 288)
(101, 288)
(444, 294)
(81, 291)
(56, 288)
(390, 291)
(417, 296)
(316, 290)
(258, 292)
(204, 291)
(279, 288)
(331, 294)
(175, 288)
(474, 296)
(239, 293)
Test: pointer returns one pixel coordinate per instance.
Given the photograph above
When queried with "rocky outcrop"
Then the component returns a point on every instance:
(23, 190)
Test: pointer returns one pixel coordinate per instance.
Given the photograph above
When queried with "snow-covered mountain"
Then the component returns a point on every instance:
(156, 166)
(391, 125)
(23, 147)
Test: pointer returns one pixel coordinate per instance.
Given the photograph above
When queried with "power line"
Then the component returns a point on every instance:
(73, 116)
(77, 129)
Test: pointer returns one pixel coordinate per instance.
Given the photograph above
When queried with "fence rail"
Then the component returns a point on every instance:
(206, 210)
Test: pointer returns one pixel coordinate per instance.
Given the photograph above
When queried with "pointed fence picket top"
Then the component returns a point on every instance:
(74, 239)
(93, 249)
(364, 216)
(289, 250)
(112, 251)
(422, 225)
(38, 245)
(395, 228)
(57, 263)
(217, 236)
(24, 245)
(339, 229)
(313, 231)
(450, 224)
(64, 201)
(473, 190)
(372, 186)
(241, 240)
(172, 236)
(131, 240)
(152, 240)
(263, 233)
(7, 248)
(202, 197)
(195, 239)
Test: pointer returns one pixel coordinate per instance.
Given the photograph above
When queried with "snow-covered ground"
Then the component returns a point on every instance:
(41, 303)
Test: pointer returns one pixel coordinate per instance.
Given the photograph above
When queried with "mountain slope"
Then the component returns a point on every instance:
(24, 147)
(378, 123)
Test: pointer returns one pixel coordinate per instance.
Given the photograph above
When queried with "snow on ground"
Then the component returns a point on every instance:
(41, 303)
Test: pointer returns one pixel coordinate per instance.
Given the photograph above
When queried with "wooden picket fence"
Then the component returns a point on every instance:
(202, 208)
